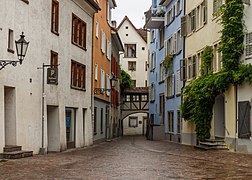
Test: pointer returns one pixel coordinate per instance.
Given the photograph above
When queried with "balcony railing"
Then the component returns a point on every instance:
(154, 17)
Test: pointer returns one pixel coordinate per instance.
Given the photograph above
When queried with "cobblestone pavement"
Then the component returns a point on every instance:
(131, 158)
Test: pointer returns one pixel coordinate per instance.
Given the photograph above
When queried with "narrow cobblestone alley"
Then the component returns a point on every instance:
(131, 158)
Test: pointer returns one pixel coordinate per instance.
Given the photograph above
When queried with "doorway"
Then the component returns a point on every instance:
(219, 116)
(10, 116)
(53, 129)
(70, 127)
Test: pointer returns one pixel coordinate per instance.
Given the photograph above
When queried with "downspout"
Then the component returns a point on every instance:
(236, 119)
(92, 83)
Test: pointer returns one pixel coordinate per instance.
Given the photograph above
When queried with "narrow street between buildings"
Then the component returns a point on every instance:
(131, 157)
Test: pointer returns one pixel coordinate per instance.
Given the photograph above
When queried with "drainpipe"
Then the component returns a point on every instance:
(92, 83)
(236, 119)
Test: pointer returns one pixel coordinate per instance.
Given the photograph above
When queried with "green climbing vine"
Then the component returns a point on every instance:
(200, 94)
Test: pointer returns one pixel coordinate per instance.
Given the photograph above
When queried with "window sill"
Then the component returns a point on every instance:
(55, 32)
(25, 1)
(129, 57)
(201, 27)
(10, 50)
(161, 82)
(77, 88)
(170, 97)
(79, 46)
(179, 13)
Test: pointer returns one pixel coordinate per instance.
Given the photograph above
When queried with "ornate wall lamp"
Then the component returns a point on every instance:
(21, 48)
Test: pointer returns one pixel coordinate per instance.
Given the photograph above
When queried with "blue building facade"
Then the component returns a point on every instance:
(166, 54)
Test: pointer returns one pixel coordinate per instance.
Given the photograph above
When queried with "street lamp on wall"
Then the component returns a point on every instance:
(113, 81)
(21, 48)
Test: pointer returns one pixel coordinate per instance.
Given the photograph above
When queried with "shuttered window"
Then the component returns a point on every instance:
(248, 48)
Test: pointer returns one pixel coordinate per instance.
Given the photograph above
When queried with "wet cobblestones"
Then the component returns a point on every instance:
(132, 158)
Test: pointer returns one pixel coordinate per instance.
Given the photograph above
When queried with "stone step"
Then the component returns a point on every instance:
(203, 147)
(212, 143)
(12, 148)
(214, 140)
(16, 154)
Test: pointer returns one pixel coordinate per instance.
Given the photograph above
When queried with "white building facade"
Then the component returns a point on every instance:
(51, 28)
(135, 62)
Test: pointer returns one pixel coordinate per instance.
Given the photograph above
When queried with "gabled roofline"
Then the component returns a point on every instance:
(126, 18)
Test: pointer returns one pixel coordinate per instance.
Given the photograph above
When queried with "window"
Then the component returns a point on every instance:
(96, 72)
(179, 41)
(178, 86)
(169, 86)
(161, 104)
(216, 5)
(54, 58)
(134, 83)
(101, 121)
(78, 75)
(135, 97)
(183, 70)
(102, 81)
(204, 11)
(78, 32)
(178, 7)
(152, 92)
(146, 65)
(108, 84)
(10, 41)
(178, 122)
(103, 41)
(126, 27)
(95, 120)
(192, 67)
(130, 51)
(146, 83)
(248, 46)
(161, 38)
(55, 17)
(161, 72)
(108, 49)
(128, 98)
(144, 97)
(143, 48)
(169, 16)
(97, 29)
(132, 65)
(153, 61)
(127, 34)
(152, 36)
(170, 121)
(133, 122)
(192, 20)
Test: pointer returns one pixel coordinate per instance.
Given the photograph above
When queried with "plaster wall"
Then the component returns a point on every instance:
(34, 19)
(140, 75)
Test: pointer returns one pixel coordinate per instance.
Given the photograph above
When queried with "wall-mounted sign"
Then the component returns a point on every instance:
(52, 76)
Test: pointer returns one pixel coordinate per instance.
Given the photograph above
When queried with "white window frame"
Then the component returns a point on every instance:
(96, 72)
(103, 41)
(108, 85)
(97, 29)
(248, 45)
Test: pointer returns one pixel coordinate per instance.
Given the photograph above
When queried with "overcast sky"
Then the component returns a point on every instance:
(134, 9)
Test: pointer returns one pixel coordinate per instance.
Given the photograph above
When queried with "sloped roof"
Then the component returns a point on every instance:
(137, 90)
(141, 32)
